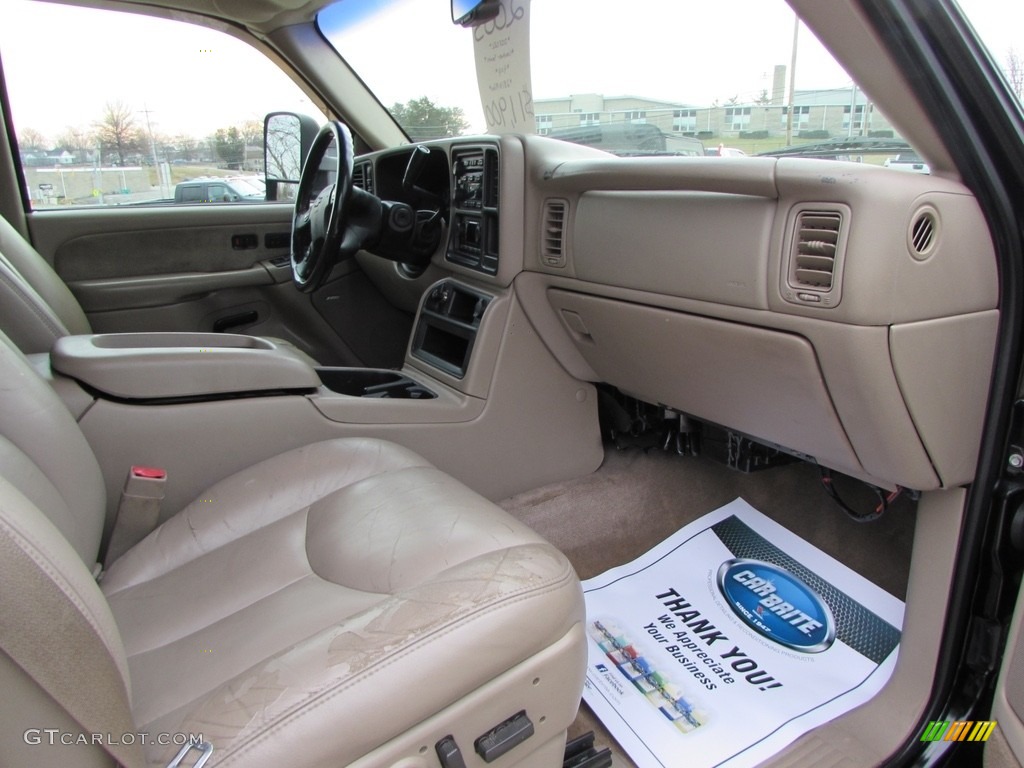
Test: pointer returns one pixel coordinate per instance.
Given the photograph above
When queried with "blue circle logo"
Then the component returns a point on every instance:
(777, 605)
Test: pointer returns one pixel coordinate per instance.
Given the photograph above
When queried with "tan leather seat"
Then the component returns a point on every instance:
(345, 603)
(37, 308)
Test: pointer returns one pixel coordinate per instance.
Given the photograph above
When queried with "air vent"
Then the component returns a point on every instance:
(362, 176)
(553, 233)
(814, 266)
(923, 234)
(814, 250)
(492, 178)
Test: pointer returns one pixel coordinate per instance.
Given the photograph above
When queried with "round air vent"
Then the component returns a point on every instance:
(924, 233)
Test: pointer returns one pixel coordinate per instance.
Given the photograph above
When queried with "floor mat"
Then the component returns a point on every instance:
(731, 638)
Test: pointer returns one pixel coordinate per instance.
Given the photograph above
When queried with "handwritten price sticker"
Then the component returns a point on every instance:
(502, 49)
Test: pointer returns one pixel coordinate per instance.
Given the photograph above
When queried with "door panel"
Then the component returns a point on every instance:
(122, 293)
(209, 268)
(76, 237)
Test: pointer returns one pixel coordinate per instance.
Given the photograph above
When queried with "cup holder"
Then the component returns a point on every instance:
(373, 382)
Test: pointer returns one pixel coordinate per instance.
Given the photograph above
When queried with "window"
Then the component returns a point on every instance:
(998, 26)
(737, 118)
(651, 78)
(861, 119)
(801, 117)
(217, 192)
(192, 194)
(684, 121)
(166, 102)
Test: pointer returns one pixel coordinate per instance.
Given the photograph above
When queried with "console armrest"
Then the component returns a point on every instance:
(146, 366)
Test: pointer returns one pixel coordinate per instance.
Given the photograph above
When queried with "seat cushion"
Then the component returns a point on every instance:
(343, 583)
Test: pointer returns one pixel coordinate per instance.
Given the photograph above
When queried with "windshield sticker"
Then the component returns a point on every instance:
(502, 50)
(729, 640)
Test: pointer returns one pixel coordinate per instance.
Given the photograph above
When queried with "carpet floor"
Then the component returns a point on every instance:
(637, 499)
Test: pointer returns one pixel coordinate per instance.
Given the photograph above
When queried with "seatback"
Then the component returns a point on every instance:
(44, 454)
(62, 662)
(36, 307)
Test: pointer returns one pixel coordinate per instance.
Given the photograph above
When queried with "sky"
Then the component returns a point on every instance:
(63, 63)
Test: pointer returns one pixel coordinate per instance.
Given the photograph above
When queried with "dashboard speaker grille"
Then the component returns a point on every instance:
(553, 233)
(815, 248)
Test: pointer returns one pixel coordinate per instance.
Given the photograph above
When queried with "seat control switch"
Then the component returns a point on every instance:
(449, 754)
(500, 739)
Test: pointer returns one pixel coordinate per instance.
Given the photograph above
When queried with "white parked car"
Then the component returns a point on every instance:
(907, 162)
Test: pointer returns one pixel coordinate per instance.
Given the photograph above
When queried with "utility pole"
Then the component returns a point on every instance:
(152, 148)
(792, 83)
(853, 109)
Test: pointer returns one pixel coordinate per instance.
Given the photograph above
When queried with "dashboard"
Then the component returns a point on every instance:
(842, 312)
(463, 181)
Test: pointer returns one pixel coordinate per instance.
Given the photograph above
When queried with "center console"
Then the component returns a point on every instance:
(202, 406)
(475, 190)
(165, 368)
(447, 327)
(373, 382)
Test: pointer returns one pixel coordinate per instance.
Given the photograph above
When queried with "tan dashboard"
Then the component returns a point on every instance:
(844, 311)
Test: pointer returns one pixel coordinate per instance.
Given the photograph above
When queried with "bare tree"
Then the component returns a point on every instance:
(252, 133)
(1015, 72)
(284, 154)
(30, 138)
(117, 131)
(186, 147)
(76, 140)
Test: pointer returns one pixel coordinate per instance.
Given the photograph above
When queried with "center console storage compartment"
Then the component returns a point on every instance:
(373, 382)
(447, 326)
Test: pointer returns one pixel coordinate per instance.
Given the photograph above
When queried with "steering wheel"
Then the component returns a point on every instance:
(319, 223)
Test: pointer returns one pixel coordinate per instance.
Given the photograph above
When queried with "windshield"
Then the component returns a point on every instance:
(690, 84)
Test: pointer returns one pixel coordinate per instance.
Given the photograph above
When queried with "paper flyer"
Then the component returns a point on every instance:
(729, 640)
(502, 52)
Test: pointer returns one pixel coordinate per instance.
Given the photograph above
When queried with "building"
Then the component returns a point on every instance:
(817, 114)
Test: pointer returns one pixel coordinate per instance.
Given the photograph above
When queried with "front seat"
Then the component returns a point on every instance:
(344, 603)
(36, 306)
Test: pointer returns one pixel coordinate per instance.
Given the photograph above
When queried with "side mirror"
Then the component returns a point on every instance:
(473, 13)
(287, 137)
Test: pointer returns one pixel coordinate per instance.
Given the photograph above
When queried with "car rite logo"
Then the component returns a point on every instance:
(777, 605)
(965, 730)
